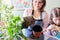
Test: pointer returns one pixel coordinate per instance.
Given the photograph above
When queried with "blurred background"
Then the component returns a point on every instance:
(11, 13)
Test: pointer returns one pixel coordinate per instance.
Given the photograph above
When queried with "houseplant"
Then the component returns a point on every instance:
(12, 29)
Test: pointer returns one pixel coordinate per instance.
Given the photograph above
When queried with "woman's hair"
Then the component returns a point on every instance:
(54, 13)
(44, 4)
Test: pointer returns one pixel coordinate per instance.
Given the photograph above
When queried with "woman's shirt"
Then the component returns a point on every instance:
(28, 12)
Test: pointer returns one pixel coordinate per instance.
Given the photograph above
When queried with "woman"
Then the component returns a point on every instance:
(37, 11)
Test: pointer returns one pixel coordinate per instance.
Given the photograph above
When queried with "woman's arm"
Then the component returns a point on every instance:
(45, 20)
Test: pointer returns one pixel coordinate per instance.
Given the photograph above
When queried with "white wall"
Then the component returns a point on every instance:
(52, 4)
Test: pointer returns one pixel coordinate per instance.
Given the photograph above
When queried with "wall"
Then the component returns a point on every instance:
(52, 4)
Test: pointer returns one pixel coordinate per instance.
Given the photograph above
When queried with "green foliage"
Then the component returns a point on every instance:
(12, 30)
(14, 27)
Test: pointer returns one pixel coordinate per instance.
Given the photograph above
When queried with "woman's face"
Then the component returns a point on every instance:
(56, 20)
(37, 4)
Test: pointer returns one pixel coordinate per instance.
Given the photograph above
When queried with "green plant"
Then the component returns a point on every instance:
(12, 30)
(14, 27)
